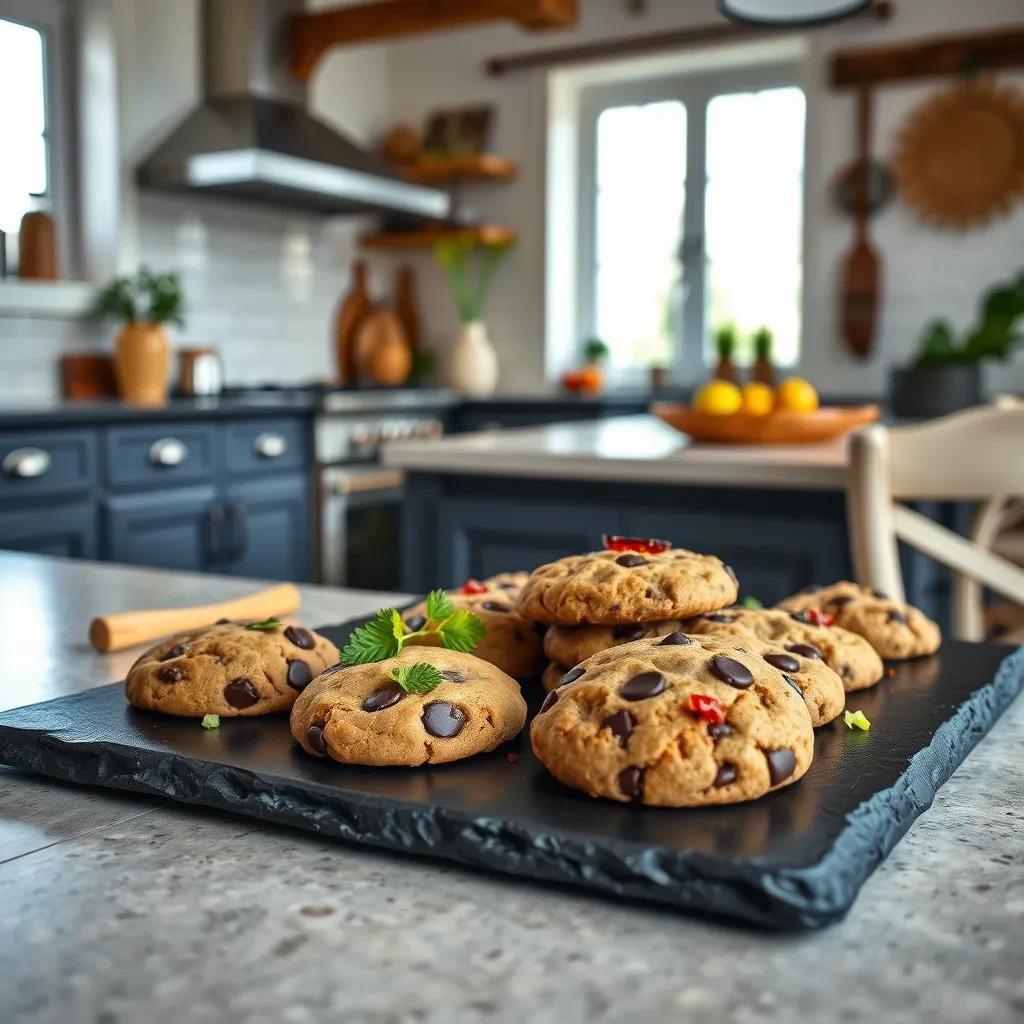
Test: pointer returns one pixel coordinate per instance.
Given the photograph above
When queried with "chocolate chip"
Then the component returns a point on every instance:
(241, 693)
(730, 671)
(300, 637)
(783, 662)
(630, 561)
(781, 764)
(840, 599)
(549, 701)
(794, 684)
(416, 622)
(732, 572)
(628, 631)
(452, 676)
(621, 724)
(170, 674)
(383, 697)
(631, 783)
(572, 675)
(726, 774)
(881, 595)
(803, 616)
(443, 719)
(315, 738)
(540, 628)
(845, 671)
(508, 586)
(174, 652)
(675, 639)
(642, 686)
(300, 675)
(719, 729)
(222, 622)
(495, 606)
(896, 616)
(805, 650)
(719, 617)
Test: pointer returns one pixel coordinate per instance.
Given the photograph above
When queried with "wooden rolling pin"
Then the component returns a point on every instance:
(125, 629)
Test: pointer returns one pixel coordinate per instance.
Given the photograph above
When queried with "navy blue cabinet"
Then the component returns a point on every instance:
(267, 528)
(67, 530)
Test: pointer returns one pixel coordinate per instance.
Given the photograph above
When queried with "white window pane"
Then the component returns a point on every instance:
(641, 177)
(753, 215)
(22, 123)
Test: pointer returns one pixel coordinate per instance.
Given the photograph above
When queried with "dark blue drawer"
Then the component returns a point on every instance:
(164, 453)
(255, 446)
(44, 462)
(66, 529)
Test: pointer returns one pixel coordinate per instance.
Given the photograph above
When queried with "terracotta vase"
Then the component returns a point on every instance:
(351, 313)
(382, 354)
(142, 363)
(474, 366)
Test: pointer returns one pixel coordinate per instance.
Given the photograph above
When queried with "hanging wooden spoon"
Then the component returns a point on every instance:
(862, 269)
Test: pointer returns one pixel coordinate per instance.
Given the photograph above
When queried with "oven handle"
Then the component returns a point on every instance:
(341, 482)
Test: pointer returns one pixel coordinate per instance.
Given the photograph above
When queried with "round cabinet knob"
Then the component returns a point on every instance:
(168, 451)
(270, 446)
(26, 463)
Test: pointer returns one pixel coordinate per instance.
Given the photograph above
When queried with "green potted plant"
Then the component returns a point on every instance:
(470, 266)
(945, 374)
(143, 303)
(725, 348)
(763, 370)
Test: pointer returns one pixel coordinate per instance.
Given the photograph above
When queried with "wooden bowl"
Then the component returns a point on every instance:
(779, 427)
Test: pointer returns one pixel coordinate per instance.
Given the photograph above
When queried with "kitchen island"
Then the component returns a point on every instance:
(127, 908)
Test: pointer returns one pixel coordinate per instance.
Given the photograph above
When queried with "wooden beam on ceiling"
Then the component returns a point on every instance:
(313, 34)
(941, 55)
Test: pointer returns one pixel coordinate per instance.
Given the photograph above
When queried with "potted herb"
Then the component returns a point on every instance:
(725, 348)
(470, 267)
(143, 303)
(946, 372)
(763, 370)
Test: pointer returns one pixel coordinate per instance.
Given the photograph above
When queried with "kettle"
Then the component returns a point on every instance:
(200, 372)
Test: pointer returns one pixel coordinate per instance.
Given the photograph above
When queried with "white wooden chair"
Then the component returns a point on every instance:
(975, 455)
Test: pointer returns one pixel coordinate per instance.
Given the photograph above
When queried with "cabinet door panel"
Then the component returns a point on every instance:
(260, 446)
(162, 454)
(65, 530)
(269, 528)
(167, 529)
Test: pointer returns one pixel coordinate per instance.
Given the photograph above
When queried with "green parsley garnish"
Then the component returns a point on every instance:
(386, 635)
(265, 626)
(751, 602)
(856, 719)
(210, 722)
(418, 678)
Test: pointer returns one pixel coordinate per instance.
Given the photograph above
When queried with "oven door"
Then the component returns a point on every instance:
(360, 520)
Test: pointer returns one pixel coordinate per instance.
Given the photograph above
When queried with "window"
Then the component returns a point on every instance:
(691, 202)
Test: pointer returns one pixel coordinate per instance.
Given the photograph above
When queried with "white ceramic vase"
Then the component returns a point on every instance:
(474, 365)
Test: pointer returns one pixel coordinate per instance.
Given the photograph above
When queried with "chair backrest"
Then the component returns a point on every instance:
(976, 455)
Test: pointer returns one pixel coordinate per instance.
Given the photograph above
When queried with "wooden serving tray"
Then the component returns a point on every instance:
(794, 859)
(778, 427)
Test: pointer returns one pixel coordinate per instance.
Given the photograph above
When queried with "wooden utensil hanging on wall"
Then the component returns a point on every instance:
(862, 270)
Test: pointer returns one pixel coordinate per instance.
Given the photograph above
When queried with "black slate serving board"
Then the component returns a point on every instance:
(795, 859)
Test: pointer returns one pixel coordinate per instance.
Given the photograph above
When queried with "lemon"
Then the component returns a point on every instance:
(797, 395)
(758, 399)
(719, 397)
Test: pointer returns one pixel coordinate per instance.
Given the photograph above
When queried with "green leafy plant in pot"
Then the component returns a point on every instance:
(143, 302)
(470, 267)
(945, 374)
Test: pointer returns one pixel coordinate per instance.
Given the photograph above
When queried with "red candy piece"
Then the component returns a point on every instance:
(820, 618)
(645, 545)
(473, 587)
(709, 709)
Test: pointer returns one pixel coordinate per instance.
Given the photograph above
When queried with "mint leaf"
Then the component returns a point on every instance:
(419, 678)
(210, 722)
(397, 626)
(373, 641)
(751, 602)
(462, 631)
(439, 606)
(267, 626)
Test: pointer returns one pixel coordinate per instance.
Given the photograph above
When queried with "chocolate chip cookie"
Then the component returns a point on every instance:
(229, 670)
(611, 587)
(848, 654)
(675, 722)
(569, 645)
(360, 715)
(512, 643)
(895, 630)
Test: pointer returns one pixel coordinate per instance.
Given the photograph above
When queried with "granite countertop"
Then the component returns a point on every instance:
(120, 908)
(637, 449)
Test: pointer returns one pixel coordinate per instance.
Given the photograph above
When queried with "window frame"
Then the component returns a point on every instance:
(694, 90)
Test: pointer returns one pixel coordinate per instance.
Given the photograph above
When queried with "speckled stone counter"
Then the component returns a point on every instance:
(123, 909)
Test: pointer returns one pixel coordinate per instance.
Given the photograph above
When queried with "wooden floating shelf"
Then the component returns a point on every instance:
(445, 170)
(424, 238)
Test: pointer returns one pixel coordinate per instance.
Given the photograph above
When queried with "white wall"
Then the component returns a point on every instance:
(927, 272)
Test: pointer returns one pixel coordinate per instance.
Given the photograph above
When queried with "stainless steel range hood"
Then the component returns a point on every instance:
(252, 138)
